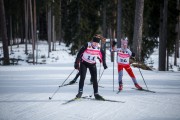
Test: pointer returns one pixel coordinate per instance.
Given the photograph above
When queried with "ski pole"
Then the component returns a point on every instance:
(98, 81)
(142, 76)
(113, 76)
(60, 85)
(100, 76)
(99, 70)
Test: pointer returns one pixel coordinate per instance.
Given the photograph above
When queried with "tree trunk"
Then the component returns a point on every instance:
(53, 32)
(104, 19)
(11, 39)
(4, 33)
(178, 31)
(119, 14)
(163, 39)
(60, 26)
(167, 59)
(32, 30)
(104, 7)
(26, 24)
(176, 54)
(35, 32)
(49, 31)
(138, 24)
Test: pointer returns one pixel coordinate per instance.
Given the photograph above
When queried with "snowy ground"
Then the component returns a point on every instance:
(25, 89)
(24, 92)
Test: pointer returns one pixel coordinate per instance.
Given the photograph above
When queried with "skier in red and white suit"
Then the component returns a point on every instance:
(123, 56)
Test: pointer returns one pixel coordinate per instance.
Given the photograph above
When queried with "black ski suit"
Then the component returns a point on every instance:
(92, 68)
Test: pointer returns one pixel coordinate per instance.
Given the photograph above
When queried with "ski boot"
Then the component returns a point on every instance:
(138, 86)
(120, 87)
(79, 95)
(98, 97)
(72, 82)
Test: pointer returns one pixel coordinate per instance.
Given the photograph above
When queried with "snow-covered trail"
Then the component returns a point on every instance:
(24, 92)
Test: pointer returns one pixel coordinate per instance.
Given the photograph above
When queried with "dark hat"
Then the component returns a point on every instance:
(95, 39)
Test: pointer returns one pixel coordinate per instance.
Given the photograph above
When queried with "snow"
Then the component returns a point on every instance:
(25, 90)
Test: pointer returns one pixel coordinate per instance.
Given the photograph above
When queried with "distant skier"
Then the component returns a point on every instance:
(123, 56)
(76, 77)
(87, 57)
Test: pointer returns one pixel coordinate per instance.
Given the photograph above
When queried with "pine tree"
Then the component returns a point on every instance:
(4, 33)
(137, 36)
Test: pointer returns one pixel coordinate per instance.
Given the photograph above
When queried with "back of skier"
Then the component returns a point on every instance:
(123, 56)
(87, 57)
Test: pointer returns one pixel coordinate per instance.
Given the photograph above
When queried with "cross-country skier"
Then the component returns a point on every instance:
(87, 57)
(123, 56)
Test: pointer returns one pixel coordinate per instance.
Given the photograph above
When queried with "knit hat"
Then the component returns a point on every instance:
(95, 39)
(124, 42)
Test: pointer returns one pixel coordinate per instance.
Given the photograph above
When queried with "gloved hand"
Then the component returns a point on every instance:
(76, 65)
(105, 66)
(133, 55)
(114, 43)
(99, 59)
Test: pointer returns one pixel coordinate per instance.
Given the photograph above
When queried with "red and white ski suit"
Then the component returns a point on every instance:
(123, 56)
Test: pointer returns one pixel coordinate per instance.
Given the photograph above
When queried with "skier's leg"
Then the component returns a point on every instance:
(91, 80)
(83, 70)
(120, 74)
(130, 72)
(93, 71)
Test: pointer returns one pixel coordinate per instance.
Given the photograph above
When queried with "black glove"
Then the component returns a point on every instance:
(76, 65)
(105, 66)
(114, 43)
(99, 59)
(133, 55)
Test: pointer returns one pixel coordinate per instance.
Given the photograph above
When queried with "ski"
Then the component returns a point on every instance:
(66, 84)
(72, 100)
(108, 100)
(144, 90)
(69, 101)
(86, 97)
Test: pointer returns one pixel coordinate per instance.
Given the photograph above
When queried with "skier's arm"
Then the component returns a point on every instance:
(132, 54)
(129, 52)
(112, 48)
(103, 59)
(79, 55)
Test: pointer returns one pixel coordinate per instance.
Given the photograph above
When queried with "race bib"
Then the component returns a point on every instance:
(123, 58)
(90, 55)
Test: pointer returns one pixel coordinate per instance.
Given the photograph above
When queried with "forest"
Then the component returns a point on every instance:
(146, 23)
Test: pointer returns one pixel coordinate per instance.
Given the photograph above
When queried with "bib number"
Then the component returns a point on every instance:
(123, 60)
(91, 58)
